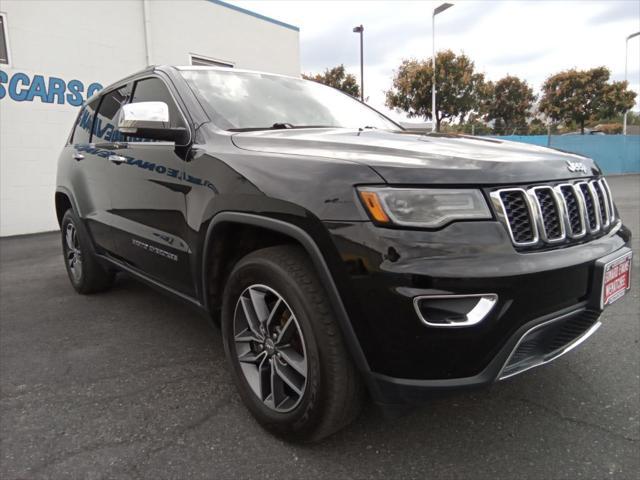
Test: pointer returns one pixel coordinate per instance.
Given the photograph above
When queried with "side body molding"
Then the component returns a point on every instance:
(321, 268)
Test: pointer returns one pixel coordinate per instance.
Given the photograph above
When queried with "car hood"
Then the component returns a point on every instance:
(402, 158)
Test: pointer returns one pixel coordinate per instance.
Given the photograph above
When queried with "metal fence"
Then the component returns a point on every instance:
(614, 153)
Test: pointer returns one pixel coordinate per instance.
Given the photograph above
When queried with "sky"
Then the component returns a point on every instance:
(529, 39)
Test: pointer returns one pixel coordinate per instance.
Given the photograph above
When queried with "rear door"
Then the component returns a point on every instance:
(148, 200)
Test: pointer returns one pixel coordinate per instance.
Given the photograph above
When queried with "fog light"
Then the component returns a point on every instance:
(451, 311)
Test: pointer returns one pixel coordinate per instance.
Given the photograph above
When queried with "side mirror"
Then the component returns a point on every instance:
(149, 120)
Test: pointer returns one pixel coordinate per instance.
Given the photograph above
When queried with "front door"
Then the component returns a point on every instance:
(89, 177)
(148, 199)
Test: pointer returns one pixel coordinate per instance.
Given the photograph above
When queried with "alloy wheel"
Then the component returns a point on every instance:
(270, 347)
(73, 252)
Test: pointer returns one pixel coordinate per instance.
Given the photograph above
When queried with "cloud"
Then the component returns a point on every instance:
(465, 18)
(517, 58)
(616, 12)
(390, 31)
(529, 39)
(632, 76)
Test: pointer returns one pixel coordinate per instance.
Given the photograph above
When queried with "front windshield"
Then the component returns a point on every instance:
(242, 100)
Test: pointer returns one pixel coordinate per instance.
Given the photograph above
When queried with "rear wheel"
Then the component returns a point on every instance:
(86, 274)
(287, 354)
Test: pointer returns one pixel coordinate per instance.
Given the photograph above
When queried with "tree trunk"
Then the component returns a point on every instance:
(438, 120)
(582, 127)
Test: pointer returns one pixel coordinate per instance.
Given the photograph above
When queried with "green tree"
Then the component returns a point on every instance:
(459, 88)
(633, 118)
(508, 102)
(473, 125)
(583, 95)
(537, 127)
(337, 77)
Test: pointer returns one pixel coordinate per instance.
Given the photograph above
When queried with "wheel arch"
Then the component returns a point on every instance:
(64, 200)
(294, 234)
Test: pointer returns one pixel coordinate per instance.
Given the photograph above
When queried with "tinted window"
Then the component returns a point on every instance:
(255, 100)
(154, 90)
(4, 53)
(104, 128)
(84, 123)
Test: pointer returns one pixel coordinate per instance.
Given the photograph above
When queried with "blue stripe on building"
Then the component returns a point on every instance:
(254, 14)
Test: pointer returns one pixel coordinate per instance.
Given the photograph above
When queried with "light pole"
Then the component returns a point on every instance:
(360, 29)
(626, 59)
(436, 11)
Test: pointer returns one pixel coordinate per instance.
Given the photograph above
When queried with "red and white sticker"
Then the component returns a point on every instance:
(616, 279)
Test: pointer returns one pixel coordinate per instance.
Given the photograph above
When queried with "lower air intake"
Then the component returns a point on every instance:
(549, 340)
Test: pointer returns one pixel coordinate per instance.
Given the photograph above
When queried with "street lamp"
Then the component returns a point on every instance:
(626, 58)
(436, 11)
(360, 29)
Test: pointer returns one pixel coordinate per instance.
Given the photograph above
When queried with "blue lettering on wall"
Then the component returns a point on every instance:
(24, 88)
(37, 89)
(18, 81)
(3, 79)
(74, 97)
(93, 88)
(57, 87)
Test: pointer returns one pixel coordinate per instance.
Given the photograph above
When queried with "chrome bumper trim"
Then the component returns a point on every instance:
(544, 360)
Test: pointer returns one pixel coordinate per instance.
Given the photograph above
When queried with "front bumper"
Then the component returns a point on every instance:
(505, 364)
(386, 269)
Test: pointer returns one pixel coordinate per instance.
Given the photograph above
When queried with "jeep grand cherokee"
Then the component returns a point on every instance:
(339, 253)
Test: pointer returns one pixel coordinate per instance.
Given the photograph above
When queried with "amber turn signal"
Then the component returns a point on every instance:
(372, 202)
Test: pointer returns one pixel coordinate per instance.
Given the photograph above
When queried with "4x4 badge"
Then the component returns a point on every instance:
(576, 167)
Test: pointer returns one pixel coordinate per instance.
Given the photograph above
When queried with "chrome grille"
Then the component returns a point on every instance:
(607, 190)
(605, 216)
(574, 210)
(592, 206)
(550, 214)
(519, 215)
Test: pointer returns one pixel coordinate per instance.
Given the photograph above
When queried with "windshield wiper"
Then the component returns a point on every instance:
(277, 126)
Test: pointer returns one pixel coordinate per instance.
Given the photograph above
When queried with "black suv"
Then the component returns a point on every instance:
(339, 253)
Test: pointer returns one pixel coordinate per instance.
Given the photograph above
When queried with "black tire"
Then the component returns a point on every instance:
(333, 391)
(86, 274)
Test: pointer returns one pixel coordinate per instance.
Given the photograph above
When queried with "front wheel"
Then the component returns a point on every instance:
(85, 272)
(287, 354)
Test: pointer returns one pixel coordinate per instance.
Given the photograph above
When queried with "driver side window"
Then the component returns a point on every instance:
(104, 127)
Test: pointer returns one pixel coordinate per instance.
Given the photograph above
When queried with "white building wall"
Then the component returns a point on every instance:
(208, 29)
(95, 43)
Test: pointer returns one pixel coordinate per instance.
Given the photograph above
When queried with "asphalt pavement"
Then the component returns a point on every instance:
(132, 384)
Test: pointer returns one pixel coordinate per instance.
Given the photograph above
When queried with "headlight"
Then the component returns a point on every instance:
(423, 207)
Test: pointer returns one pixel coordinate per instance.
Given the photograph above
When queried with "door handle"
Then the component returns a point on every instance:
(117, 159)
(78, 156)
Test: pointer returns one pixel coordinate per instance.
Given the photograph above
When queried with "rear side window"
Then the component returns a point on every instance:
(82, 130)
(104, 128)
(154, 90)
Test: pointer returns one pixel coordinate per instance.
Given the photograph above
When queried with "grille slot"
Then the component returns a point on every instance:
(591, 206)
(612, 208)
(519, 216)
(574, 210)
(603, 201)
(549, 214)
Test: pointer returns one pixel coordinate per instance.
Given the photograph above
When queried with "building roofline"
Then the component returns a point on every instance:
(254, 14)
(186, 68)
